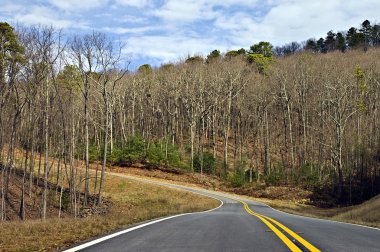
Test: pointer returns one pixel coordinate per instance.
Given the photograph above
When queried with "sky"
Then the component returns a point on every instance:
(163, 31)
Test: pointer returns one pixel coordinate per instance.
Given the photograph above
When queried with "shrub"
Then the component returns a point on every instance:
(173, 157)
(137, 149)
(236, 179)
(154, 154)
(134, 150)
(116, 156)
(308, 174)
(272, 179)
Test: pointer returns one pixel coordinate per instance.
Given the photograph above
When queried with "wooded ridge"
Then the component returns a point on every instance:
(309, 119)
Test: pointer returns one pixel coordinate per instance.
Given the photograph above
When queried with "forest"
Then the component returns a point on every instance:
(302, 115)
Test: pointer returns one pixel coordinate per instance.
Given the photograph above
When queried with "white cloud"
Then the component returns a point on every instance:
(10, 8)
(185, 11)
(43, 16)
(135, 3)
(123, 30)
(131, 19)
(296, 20)
(168, 49)
(78, 5)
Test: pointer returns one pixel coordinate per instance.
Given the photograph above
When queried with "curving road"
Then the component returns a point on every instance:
(237, 225)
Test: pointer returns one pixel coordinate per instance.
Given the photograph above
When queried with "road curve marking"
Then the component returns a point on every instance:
(294, 235)
(283, 238)
(263, 218)
(280, 235)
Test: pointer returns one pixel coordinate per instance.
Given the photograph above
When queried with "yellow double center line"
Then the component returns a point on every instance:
(268, 221)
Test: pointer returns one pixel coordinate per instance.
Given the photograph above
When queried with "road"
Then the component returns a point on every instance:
(237, 224)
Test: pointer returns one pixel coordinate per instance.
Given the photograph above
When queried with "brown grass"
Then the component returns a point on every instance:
(367, 213)
(133, 202)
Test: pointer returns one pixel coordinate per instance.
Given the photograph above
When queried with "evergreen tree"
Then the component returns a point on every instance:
(10, 53)
(366, 30)
(330, 41)
(354, 38)
(311, 45)
(213, 56)
(341, 42)
(375, 35)
(321, 45)
(264, 48)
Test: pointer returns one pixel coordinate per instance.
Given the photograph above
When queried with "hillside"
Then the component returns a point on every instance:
(366, 213)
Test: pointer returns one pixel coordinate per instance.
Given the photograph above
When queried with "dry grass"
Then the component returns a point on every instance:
(367, 213)
(133, 202)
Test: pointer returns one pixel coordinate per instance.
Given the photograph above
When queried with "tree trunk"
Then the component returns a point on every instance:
(104, 156)
(44, 199)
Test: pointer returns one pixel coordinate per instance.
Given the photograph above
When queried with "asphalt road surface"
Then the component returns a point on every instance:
(237, 225)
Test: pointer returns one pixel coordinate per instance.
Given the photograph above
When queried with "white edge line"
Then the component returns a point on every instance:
(91, 243)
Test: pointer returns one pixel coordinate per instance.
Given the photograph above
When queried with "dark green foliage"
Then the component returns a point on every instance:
(163, 153)
(235, 53)
(11, 52)
(308, 175)
(311, 45)
(138, 150)
(273, 179)
(375, 35)
(154, 154)
(173, 158)
(276, 176)
(135, 150)
(341, 42)
(261, 55)
(9, 47)
(354, 38)
(209, 163)
(194, 60)
(117, 155)
(213, 56)
(321, 45)
(236, 179)
(93, 152)
(264, 48)
(330, 41)
(366, 30)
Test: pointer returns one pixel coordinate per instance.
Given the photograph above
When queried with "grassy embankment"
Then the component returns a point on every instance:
(131, 202)
(367, 213)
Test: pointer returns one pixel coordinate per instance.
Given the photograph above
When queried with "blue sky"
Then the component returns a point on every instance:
(162, 31)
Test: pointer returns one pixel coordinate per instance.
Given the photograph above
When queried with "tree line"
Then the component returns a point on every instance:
(365, 36)
(310, 119)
